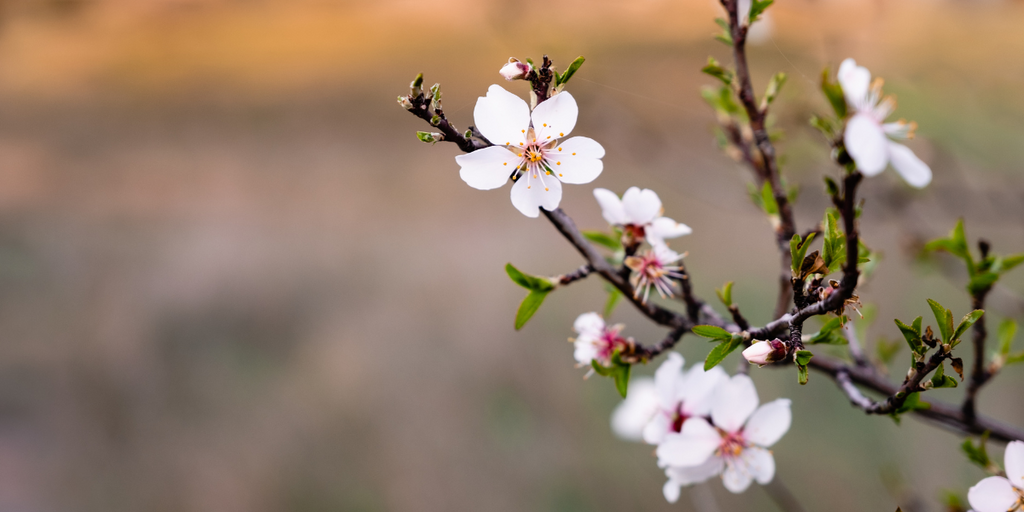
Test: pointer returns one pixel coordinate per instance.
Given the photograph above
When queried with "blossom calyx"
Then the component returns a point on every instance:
(765, 352)
(515, 70)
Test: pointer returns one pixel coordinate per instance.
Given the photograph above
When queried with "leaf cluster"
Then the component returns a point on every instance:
(539, 288)
(983, 271)
(727, 343)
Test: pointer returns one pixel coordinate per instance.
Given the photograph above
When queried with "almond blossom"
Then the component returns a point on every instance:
(654, 268)
(528, 148)
(867, 134)
(656, 408)
(734, 444)
(999, 494)
(596, 341)
(639, 214)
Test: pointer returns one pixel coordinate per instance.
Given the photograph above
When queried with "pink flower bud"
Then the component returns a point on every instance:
(765, 352)
(515, 70)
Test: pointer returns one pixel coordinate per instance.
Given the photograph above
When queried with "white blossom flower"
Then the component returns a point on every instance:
(639, 214)
(998, 494)
(736, 446)
(529, 150)
(866, 130)
(514, 69)
(654, 268)
(655, 408)
(596, 340)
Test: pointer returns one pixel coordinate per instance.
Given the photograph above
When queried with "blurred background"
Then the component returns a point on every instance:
(231, 278)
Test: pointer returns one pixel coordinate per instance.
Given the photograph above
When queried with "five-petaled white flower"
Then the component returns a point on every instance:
(998, 494)
(596, 341)
(530, 153)
(736, 446)
(654, 409)
(866, 129)
(639, 214)
(654, 268)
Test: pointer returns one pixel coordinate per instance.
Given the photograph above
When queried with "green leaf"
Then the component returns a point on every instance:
(966, 323)
(771, 207)
(603, 239)
(757, 7)
(1005, 334)
(725, 294)
(981, 282)
(721, 99)
(977, 454)
(712, 332)
(716, 70)
(527, 281)
(726, 35)
(622, 379)
(570, 71)
(429, 137)
(941, 380)
(720, 351)
(912, 334)
(803, 357)
(912, 403)
(773, 89)
(601, 370)
(940, 317)
(834, 93)
(529, 306)
(834, 247)
(829, 333)
(802, 374)
(798, 249)
(955, 244)
(614, 295)
(886, 350)
(1012, 261)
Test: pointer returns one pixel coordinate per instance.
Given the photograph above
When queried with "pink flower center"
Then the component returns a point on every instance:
(678, 418)
(732, 444)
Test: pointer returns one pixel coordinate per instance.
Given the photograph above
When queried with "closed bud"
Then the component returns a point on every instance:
(765, 352)
(515, 70)
(405, 103)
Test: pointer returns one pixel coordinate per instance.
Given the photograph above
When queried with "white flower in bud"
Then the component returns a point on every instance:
(998, 494)
(735, 444)
(764, 352)
(514, 70)
(639, 213)
(655, 409)
(529, 150)
(866, 130)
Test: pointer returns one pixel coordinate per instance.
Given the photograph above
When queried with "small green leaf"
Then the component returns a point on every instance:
(1005, 334)
(600, 369)
(716, 70)
(1012, 261)
(912, 334)
(720, 351)
(977, 454)
(798, 249)
(802, 374)
(721, 99)
(429, 137)
(803, 357)
(941, 380)
(773, 89)
(966, 323)
(529, 306)
(981, 282)
(603, 239)
(527, 281)
(834, 93)
(757, 7)
(622, 379)
(829, 333)
(940, 317)
(771, 207)
(712, 332)
(570, 71)
(614, 295)
(726, 35)
(886, 349)
(725, 294)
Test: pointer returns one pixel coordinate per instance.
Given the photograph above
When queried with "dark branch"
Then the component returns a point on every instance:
(979, 374)
(575, 275)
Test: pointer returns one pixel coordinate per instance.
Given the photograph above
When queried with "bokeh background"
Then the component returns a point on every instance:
(231, 279)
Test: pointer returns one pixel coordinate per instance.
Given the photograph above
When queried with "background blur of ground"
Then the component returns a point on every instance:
(231, 279)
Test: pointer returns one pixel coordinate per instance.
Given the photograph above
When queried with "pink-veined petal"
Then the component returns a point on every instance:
(635, 412)
(658, 428)
(736, 477)
(535, 190)
(867, 144)
(577, 160)
(487, 168)
(696, 474)
(584, 351)
(588, 323)
(691, 447)
(664, 227)
(855, 80)
(735, 400)
(667, 380)
(769, 423)
(760, 464)
(699, 389)
(915, 172)
(555, 118)
(993, 494)
(642, 206)
(611, 206)
(1013, 460)
(502, 117)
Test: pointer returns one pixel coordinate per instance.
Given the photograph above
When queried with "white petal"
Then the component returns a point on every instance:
(691, 447)
(736, 477)
(611, 206)
(502, 116)
(759, 464)
(579, 160)
(769, 423)
(699, 389)
(1014, 463)
(535, 190)
(667, 380)
(635, 412)
(584, 351)
(671, 491)
(658, 428)
(993, 494)
(642, 206)
(696, 474)
(743, 11)
(588, 323)
(866, 143)
(855, 80)
(487, 168)
(555, 117)
(664, 227)
(735, 400)
(916, 173)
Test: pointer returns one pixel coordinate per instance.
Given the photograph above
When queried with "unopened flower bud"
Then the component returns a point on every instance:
(405, 103)
(765, 352)
(514, 70)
